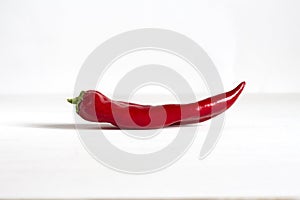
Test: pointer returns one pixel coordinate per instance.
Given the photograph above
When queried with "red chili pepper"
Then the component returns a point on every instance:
(94, 106)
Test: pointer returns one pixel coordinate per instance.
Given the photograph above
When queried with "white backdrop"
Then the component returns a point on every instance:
(44, 43)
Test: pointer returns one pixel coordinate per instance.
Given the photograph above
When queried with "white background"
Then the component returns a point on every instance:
(43, 45)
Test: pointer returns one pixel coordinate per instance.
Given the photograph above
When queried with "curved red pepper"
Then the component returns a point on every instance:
(94, 106)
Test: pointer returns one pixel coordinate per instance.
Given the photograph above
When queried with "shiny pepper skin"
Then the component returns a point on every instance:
(93, 106)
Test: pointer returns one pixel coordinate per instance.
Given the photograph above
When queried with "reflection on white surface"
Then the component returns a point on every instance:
(258, 154)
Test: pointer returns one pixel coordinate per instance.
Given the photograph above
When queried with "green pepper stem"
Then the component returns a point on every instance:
(77, 100)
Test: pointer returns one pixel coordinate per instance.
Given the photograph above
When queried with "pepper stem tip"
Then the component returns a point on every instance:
(77, 100)
(70, 101)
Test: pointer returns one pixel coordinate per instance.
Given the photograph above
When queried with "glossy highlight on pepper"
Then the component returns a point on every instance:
(93, 106)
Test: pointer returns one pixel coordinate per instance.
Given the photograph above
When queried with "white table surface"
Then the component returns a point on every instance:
(258, 155)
